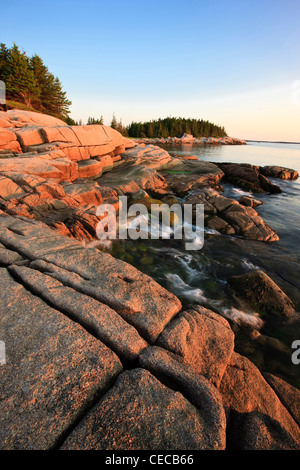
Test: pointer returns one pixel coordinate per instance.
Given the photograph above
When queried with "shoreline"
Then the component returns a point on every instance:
(188, 139)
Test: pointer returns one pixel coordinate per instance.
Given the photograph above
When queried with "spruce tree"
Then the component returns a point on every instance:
(114, 122)
(4, 62)
(21, 83)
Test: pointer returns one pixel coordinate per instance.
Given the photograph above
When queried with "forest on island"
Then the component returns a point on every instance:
(175, 127)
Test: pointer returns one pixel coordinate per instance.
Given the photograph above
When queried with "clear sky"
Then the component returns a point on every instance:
(233, 62)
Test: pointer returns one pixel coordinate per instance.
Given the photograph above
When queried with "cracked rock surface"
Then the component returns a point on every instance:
(93, 364)
(98, 355)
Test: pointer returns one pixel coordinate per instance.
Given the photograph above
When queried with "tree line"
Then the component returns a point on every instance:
(175, 127)
(162, 128)
(29, 81)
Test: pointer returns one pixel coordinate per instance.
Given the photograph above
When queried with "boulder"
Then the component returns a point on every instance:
(130, 178)
(8, 140)
(279, 172)
(229, 217)
(250, 201)
(256, 431)
(190, 175)
(246, 222)
(261, 293)
(171, 369)
(153, 419)
(288, 395)
(203, 339)
(244, 391)
(149, 156)
(248, 177)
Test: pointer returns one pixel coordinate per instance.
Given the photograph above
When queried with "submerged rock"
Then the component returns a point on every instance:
(263, 294)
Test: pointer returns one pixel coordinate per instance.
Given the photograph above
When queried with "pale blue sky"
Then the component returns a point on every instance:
(233, 62)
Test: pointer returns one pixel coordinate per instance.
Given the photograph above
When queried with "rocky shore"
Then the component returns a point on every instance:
(188, 139)
(98, 355)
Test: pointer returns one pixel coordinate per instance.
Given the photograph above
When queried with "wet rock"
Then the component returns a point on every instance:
(248, 177)
(220, 225)
(244, 391)
(54, 370)
(262, 294)
(279, 172)
(267, 186)
(203, 339)
(250, 201)
(141, 194)
(229, 217)
(246, 222)
(155, 418)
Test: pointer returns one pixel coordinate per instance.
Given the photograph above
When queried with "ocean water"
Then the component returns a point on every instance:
(201, 276)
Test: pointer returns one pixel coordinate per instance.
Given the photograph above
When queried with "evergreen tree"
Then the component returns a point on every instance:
(4, 62)
(21, 83)
(175, 127)
(29, 81)
(114, 122)
(91, 121)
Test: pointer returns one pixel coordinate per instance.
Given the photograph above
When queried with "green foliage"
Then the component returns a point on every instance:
(118, 126)
(70, 121)
(175, 127)
(29, 81)
(95, 121)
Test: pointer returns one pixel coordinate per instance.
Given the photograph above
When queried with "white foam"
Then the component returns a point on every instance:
(238, 316)
(191, 293)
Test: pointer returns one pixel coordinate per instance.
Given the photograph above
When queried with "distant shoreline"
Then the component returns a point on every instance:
(272, 141)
